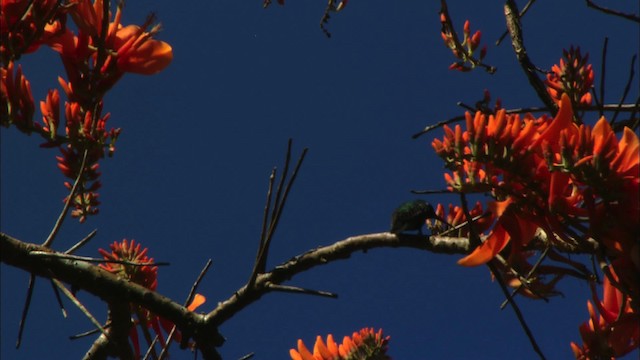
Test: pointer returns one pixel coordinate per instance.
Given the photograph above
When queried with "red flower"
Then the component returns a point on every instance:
(145, 275)
(25, 25)
(133, 264)
(615, 331)
(572, 76)
(455, 216)
(16, 101)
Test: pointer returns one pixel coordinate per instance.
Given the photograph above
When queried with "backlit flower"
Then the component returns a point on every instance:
(455, 216)
(138, 268)
(612, 331)
(16, 101)
(25, 25)
(574, 182)
(133, 264)
(572, 76)
(464, 50)
(124, 49)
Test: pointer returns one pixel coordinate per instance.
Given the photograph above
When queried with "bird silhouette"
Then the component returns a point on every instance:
(411, 216)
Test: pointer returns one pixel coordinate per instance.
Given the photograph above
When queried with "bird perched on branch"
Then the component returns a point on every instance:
(411, 215)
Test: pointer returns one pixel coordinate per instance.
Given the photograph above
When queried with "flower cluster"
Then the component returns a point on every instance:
(455, 216)
(25, 25)
(576, 183)
(128, 260)
(615, 331)
(464, 50)
(95, 56)
(362, 345)
(572, 76)
(16, 101)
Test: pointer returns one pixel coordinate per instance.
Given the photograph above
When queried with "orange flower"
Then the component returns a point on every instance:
(16, 100)
(50, 109)
(363, 345)
(615, 331)
(25, 25)
(145, 275)
(455, 216)
(125, 49)
(138, 53)
(462, 50)
(496, 242)
(550, 132)
(573, 76)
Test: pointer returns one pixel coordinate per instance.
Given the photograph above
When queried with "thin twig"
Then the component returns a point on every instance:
(95, 260)
(65, 208)
(144, 327)
(636, 123)
(331, 7)
(461, 225)
(196, 283)
(431, 192)
(266, 242)
(263, 231)
(627, 88)
(278, 206)
(82, 242)
(437, 125)
(474, 238)
(516, 309)
(522, 283)
(190, 296)
(25, 309)
(59, 299)
(276, 220)
(299, 290)
(79, 305)
(151, 346)
(449, 29)
(607, 107)
(603, 71)
(283, 178)
(89, 332)
(631, 17)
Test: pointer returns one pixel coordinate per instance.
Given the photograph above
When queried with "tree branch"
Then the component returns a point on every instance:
(343, 249)
(515, 30)
(203, 328)
(605, 10)
(111, 289)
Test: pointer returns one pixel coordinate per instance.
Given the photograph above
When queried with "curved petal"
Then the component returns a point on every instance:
(321, 349)
(628, 156)
(198, 300)
(303, 352)
(150, 58)
(498, 239)
(563, 120)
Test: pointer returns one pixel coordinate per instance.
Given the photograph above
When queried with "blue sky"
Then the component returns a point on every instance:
(190, 173)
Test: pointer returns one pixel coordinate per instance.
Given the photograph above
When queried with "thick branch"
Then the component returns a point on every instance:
(203, 328)
(110, 288)
(515, 30)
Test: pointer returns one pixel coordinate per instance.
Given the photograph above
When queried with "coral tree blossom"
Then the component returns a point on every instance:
(363, 345)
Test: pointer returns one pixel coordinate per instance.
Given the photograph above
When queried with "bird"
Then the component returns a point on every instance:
(411, 215)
